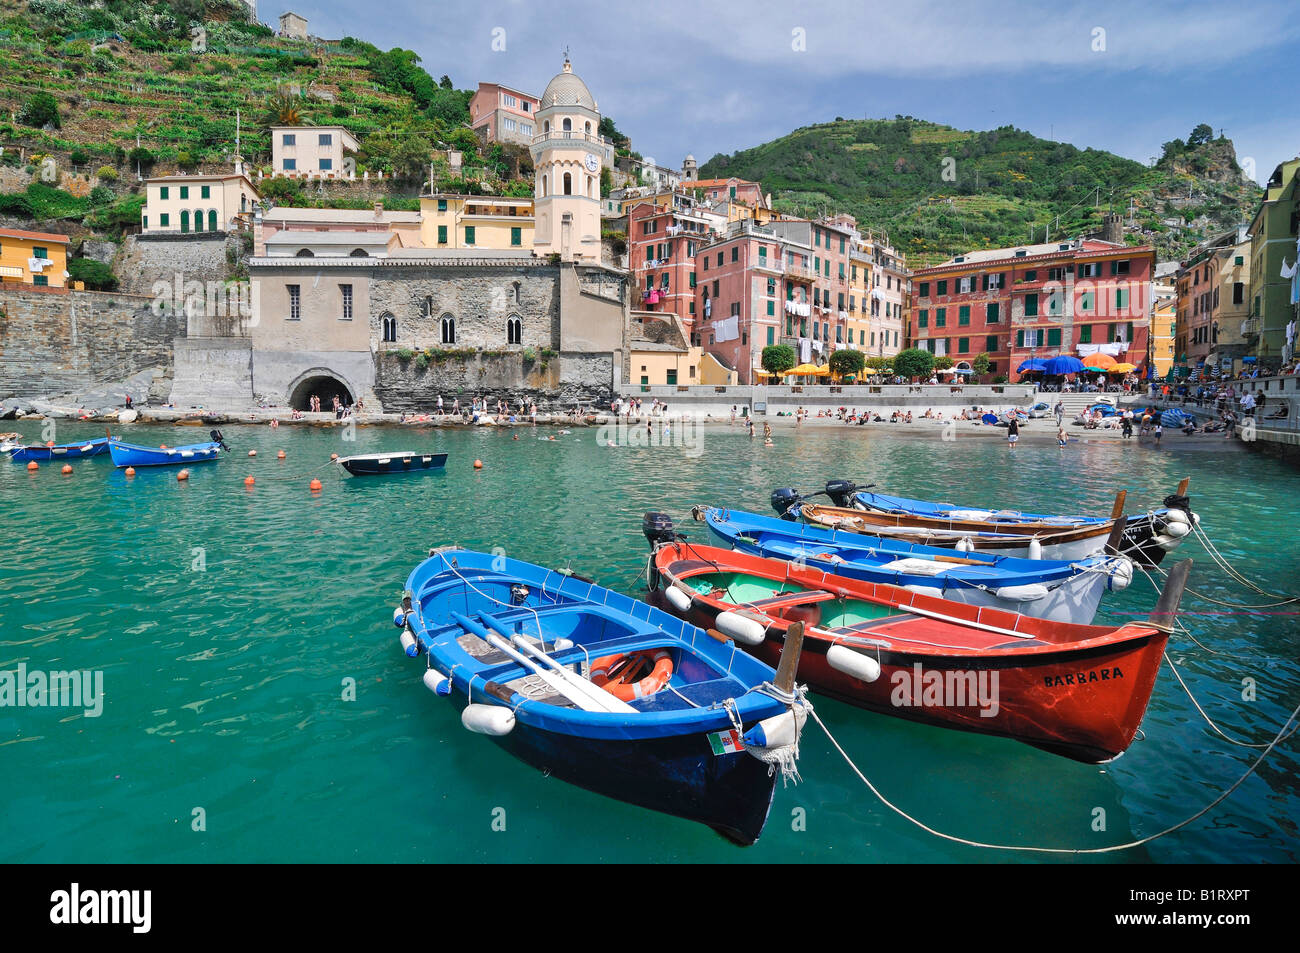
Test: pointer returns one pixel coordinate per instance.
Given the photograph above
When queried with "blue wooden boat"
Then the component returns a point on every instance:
(1060, 590)
(397, 461)
(549, 665)
(63, 451)
(131, 455)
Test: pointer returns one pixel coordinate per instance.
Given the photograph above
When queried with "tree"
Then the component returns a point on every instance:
(1200, 135)
(777, 359)
(141, 157)
(847, 361)
(284, 110)
(40, 110)
(97, 275)
(980, 365)
(942, 362)
(913, 362)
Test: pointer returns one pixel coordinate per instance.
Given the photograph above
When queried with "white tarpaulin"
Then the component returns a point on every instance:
(1114, 349)
(805, 350)
(727, 329)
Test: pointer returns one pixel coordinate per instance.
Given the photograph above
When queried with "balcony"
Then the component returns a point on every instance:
(571, 135)
(798, 272)
(775, 265)
(1250, 327)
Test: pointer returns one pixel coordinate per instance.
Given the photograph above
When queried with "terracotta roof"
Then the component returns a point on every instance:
(34, 236)
(712, 183)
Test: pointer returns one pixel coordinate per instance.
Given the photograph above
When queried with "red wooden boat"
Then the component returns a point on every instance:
(1074, 690)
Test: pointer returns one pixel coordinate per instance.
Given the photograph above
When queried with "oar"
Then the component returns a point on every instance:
(1182, 486)
(1118, 525)
(789, 663)
(1162, 616)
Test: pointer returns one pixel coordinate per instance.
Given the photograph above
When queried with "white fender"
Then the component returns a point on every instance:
(1165, 541)
(488, 720)
(964, 545)
(1177, 530)
(680, 600)
(844, 659)
(408, 643)
(742, 629)
(436, 682)
(1121, 575)
(1035, 549)
(777, 731)
(1176, 516)
(1028, 593)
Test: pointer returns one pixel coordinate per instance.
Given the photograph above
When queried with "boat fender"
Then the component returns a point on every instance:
(1035, 549)
(488, 720)
(437, 682)
(1165, 541)
(778, 731)
(409, 645)
(680, 599)
(1027, 593)
(926, 591)
(964, 545)
(1177, 530)
(740, 628)
(1176, 516)
(399, 617)
(844, 659)
(1121, 575)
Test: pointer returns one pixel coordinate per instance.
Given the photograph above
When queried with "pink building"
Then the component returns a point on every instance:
(662, 244)
(499, 113)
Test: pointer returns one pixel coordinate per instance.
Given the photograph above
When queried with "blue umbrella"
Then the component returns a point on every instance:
(1034, 365)
(1063, 365)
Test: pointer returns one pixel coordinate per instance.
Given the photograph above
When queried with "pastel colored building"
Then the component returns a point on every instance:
(198, 203)
(662, 243)
(1037, 301)
(293, 25)
(404, 227)
(737, 190)
(477, 222)
(310, 151)
(1164, 318)
(35, 259)
(1273, 242)
(824, 327)
(568, 153)
(502, 114)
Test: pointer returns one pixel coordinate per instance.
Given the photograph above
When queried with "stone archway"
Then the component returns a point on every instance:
(322, 383)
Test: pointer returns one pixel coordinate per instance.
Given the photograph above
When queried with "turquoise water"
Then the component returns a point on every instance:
(226, 621)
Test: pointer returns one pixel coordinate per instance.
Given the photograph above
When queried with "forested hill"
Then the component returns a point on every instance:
(938, 191)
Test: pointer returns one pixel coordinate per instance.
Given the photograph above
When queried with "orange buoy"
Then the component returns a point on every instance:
(183, 475)
(67, 468)
(334, 456)
(130, 471)
(248, 481)
(162, 446)
(478, 464)
(33, 465)
(252, 453)
(49, 443)
(315, 485)
(280, 455)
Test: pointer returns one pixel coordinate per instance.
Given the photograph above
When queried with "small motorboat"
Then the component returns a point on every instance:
(603, 691)
(398, 461)
(1075, 690)
(1147, 537)
(64, 451)
(133, 455)
(1056, 589)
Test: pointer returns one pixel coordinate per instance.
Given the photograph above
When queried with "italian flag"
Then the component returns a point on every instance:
(725, 742)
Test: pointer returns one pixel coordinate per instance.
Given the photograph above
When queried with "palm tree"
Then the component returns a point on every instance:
(284, 110)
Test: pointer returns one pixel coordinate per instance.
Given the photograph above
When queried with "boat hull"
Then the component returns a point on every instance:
(71, 451)
(130, 455)
(679, 775)
(373, 464)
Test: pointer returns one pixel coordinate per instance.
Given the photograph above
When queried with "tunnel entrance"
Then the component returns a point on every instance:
(324, 386)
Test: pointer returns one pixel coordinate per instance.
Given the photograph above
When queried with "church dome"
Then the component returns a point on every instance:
(566, 89)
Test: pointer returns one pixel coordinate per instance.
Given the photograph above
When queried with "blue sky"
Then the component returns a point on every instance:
(705, 77)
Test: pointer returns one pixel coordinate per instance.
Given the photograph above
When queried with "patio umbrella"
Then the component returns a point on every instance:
(803, 369)
(1063, 365)
(1099, 361)
(1034, 365)
(823, 370)
(1124, 368)
(760, 372)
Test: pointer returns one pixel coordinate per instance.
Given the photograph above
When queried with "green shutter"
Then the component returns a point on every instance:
(940, 317)
(923, 318)
(991, 343)
(1020, 339)
(963, 314)
(469, 234)
(1031, 305)
(771, 335)
(1085, 334)
(963, 345)
(1053, 337)
(442, 234)
(516, 236)
(991, 313)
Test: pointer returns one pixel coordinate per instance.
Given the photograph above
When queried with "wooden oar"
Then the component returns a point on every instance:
(1163, 615)
(789, 663)
(1182, 486)
(1118, 525)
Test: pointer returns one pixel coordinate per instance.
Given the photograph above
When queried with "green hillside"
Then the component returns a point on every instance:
(938, 191)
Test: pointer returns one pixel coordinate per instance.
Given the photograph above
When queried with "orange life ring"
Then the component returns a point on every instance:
(621, 675)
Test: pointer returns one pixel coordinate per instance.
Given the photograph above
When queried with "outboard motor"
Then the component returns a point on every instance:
(217, 438)
(841, 492)
(783, 499)
(658, 529)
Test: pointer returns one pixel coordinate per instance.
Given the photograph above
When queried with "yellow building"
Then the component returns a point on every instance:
(859, 324)
(476, 221)
(39, 259)
(198, 203)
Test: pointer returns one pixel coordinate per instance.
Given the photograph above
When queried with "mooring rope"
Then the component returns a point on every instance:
(1208, 720)
(1055, 850)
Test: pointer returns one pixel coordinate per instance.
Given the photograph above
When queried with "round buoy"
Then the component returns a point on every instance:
(183, 475)
(67, 468)
(248, 481)
(33, 465)
(334, 456)
(315, 485)
(478, 464)
(130, 471)
(49, 443)
(280, 455)
(252, 453)
(162, 446)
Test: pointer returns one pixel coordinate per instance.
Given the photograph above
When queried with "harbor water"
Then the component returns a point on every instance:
(256, 706)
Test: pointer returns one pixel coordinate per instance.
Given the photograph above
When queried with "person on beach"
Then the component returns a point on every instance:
(1059, 410)
(1013, 432)
(1159, 430)
(1126, 426)
(439, 405)
(274, 423)
(751, 428)
(767, 431)
(1060, 437)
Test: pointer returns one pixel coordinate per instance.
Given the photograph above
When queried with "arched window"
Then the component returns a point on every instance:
(198, 219)
(448, 329)
(568, 124)
(185, 220)
(212, 220)
(359, 253)
(568, 184)
(546, 126)
(426, 307)
(243, 203)
(589, 128)
(514, 330)
(305, 253)
(543, 186)
(590, 194)
(389, 324)
(514, 286)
